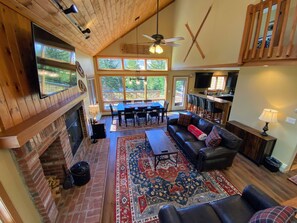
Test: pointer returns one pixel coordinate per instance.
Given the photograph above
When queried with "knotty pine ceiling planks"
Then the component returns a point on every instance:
(107, 19)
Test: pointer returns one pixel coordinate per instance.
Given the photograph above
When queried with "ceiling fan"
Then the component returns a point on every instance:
(158, 39)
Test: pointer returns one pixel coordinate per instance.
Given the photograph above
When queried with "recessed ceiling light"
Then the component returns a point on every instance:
(265, 65)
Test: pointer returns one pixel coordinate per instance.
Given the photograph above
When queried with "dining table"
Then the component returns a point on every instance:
(121, 108)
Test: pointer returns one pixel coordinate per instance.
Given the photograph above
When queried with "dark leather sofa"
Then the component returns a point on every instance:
(204, 158)
(232, 209)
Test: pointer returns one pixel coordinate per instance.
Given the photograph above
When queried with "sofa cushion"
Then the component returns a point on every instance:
(184, 119)
(213, 139)
(201, 213)
(176, 128)
(277, 214)
(185, 136)
(193, 147)
(233, 209)
(228, 139)
(197, 132)
(205, 125)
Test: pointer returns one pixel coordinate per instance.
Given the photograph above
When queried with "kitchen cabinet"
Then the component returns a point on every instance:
(254, 146)
(232, 80)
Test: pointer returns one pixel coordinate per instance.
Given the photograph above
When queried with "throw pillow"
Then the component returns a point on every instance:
(197, 132)
(213, 139)
(277, 214)
(184, 119)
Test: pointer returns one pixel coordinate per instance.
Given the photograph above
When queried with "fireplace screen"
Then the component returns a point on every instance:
(74, 129)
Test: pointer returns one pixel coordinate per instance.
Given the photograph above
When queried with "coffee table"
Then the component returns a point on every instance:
(161, 145)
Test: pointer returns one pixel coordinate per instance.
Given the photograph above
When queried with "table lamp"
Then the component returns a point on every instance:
(268, 115)
(93, 111)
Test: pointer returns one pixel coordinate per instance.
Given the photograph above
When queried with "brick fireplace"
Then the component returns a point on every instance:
(45, 155)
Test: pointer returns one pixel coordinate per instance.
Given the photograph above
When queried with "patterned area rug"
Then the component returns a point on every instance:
(115, 125)
(141, 191)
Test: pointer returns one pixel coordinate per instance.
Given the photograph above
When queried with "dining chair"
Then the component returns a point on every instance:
(113, 113)
(166, 104)
(148, 100)
(154, 112)
(141, 113)
(138, 101)
(129, 114)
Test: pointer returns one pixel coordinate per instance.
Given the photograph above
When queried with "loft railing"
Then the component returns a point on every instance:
(270, 32)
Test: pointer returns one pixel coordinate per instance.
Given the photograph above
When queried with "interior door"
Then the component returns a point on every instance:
(179, 93)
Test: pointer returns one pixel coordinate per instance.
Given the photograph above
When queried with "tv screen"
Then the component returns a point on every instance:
(55, 63)
(203, 80)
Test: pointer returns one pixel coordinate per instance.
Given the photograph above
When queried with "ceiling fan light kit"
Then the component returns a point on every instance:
(156, 49)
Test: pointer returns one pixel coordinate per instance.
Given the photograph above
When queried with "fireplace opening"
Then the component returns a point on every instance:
(74, 128)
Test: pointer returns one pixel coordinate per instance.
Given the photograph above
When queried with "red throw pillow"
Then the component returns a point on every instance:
(277, 214)
(213, 139)
(197, 132)
(184, 119)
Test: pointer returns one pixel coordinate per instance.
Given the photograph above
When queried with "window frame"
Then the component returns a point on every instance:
(139, 58)
(216, 84)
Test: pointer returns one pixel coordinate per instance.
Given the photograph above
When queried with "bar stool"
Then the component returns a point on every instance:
(196, 104)
(202, 107)
(212, 111)
(190, 102)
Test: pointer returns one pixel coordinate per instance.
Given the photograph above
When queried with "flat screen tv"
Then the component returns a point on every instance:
(54, 63)
(203, 80)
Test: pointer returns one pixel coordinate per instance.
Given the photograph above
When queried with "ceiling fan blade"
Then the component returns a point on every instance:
(172, 44)
(149, 37)
(173, 39)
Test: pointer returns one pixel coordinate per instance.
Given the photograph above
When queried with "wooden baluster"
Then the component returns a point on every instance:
(276, 20)
(250, 34)
(265, 30)
(256, 36)
(292, 34)
(284, 25)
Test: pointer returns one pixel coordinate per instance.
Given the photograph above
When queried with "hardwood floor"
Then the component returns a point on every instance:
(242, 173)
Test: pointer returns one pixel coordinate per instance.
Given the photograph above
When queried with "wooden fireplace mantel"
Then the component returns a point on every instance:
(18, 135)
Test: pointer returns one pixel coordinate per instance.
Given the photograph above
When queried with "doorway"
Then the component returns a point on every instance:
(179, 93)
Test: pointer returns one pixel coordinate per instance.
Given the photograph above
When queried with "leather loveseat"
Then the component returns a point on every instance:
(232, 209)
(204, 158)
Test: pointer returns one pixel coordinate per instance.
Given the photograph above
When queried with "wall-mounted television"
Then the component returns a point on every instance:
(203, 79)
(54, 63)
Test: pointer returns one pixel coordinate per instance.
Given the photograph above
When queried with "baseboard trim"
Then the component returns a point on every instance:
(284, 168)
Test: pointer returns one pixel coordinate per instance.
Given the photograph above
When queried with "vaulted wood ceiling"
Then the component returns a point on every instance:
(107, 19)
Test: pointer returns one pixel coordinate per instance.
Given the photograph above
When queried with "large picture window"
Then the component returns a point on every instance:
(115, 89)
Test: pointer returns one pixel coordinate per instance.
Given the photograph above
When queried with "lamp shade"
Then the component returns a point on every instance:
(93, 110)
(268, 115)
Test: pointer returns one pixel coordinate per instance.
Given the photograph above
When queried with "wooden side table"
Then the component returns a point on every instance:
(254, 146)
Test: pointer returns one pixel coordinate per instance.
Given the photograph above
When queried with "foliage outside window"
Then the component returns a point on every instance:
(105, 63)
(134, 64)
(113, 91)
(110, 63)
(112, 88)
(217, 83)
(160, 64)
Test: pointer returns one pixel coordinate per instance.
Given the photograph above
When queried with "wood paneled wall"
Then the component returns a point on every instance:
(19, 98)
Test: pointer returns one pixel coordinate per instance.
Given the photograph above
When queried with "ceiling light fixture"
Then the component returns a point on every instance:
(71, 9)
(155, 48)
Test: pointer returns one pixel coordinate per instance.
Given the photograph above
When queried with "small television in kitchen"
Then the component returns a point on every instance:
(203, 79)
(55, 69)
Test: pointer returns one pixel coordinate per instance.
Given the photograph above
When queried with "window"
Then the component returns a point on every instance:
(118, 88)
(109, 63)
(157, 64)
(134, 64)
(106, 63)
(217, 83)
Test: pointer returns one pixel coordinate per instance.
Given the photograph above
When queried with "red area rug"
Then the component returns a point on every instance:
(140, 191)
